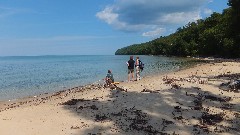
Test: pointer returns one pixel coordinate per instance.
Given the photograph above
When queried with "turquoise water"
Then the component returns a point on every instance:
(22, 76)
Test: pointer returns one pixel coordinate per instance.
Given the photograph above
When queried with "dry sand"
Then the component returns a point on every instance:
(186, 102)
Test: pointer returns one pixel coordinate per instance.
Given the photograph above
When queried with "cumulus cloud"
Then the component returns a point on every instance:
(108, 15)
(112, 18)
(143, 15)
(207, 11)
(154, 33)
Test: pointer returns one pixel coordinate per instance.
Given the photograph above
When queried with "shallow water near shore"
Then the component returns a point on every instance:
(22, 76)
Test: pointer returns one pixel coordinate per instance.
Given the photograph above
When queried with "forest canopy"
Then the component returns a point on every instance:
(215, 36)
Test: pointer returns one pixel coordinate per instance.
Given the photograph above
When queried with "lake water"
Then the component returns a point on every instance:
(22, 76)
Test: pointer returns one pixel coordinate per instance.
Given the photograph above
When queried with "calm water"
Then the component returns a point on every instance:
(32, 75)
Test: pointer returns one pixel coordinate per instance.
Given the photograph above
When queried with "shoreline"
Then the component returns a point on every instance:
(96, 82)
(139, 107)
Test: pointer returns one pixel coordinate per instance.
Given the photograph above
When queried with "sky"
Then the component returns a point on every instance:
(92, 27)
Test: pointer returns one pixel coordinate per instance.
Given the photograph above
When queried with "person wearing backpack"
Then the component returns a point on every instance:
(138, 64)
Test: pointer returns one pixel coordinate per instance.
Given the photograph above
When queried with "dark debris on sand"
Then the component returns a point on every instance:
(214, 119)
(150, 91)
(101, 118)
(134, 120)
(211, 119)
(74, 101)
(131, 120)
(233, 85)
(229, 76)
(139, 122)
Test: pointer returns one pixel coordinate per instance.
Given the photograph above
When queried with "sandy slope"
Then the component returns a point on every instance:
(189, 101)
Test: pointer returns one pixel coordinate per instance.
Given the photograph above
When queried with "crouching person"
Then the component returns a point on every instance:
(109, 78)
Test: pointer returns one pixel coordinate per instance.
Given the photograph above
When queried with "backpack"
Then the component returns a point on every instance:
(141, 65)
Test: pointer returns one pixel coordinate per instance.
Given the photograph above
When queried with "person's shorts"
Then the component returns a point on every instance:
(130, 71)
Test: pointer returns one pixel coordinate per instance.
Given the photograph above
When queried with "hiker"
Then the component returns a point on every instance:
(109, 78)
(137, 65)
(130, 64)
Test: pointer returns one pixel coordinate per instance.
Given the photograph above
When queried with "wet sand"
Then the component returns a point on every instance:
(191, 101)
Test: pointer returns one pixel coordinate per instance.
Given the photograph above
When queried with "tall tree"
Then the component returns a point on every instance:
(217, 35)
(235, 24)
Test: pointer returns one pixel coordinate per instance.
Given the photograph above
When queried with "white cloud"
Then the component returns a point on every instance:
(142, 15)
(108, 15)
(154, 33)
(207, 11)
(180, 17)
(112, 18)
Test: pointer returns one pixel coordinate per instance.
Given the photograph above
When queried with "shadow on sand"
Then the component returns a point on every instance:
(156, 112)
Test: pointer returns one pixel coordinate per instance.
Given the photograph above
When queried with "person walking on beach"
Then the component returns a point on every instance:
(137, 65)
(130, 64)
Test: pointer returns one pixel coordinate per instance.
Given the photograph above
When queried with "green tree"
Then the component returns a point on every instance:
(217, 35)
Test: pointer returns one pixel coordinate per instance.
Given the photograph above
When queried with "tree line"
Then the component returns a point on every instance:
(216, 36)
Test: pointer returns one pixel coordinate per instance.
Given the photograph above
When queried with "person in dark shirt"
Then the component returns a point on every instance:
(130, 64)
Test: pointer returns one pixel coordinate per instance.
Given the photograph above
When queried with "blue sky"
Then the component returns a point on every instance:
(92, 27)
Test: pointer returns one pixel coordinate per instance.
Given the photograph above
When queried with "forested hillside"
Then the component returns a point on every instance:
(217, 36)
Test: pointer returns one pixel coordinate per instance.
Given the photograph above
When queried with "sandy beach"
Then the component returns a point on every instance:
(197, 100)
